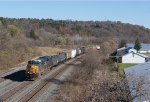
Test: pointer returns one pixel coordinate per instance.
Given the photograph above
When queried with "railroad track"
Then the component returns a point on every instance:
(13, 91)
(2, 79)
(32, 93)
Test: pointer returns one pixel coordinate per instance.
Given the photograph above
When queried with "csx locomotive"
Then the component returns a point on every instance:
(36, 68)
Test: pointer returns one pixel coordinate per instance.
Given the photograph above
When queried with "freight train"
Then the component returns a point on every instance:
(36, 68)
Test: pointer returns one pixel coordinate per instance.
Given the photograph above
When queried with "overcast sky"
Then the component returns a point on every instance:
(130, 11)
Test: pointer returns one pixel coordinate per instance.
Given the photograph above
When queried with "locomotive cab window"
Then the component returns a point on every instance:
(34, 62)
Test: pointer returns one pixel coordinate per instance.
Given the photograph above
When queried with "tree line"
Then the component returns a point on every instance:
(137, 44)
(97, 29)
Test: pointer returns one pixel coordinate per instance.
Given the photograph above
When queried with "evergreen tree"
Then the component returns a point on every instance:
(3, 21)
(122, 44)
(137, 45)
(33, 35)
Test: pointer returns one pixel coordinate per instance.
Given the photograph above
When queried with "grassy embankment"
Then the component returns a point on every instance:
(122, 66)
(20, 58)
(48, 50)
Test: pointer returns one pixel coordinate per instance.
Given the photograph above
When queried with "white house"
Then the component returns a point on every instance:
(130, 55)
(133, 57)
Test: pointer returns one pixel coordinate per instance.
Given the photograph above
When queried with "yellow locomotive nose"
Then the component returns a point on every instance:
(32, 69)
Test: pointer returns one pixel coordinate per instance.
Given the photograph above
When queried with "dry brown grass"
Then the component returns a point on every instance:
(92, 81)
(10, 57)
(48, 50)
(96, 80)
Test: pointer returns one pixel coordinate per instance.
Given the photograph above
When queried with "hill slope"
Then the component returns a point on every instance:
(19, 37)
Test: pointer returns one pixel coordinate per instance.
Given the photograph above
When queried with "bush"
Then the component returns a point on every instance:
(61, 40)
(33, 35)
(14, 50)
(13, 30)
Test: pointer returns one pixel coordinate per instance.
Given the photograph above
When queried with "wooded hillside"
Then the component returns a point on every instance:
(19, 37)
(45, 30)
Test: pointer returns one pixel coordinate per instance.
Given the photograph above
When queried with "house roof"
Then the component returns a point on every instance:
(122, 48)
(142, 55)
(125, 52)
(145, 47)
(120, 53)
(137, 73)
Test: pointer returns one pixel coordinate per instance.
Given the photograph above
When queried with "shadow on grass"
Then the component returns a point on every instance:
(1, 100)
(60, 82)
(55, 81)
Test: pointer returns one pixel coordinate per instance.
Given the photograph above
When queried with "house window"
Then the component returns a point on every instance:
(146, 60)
